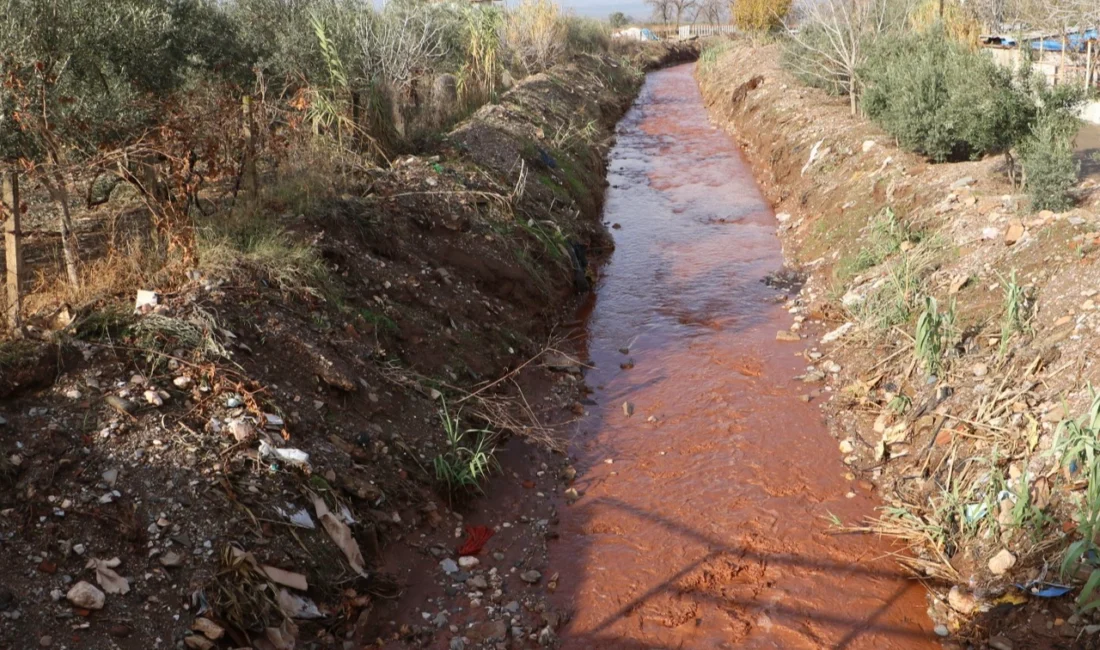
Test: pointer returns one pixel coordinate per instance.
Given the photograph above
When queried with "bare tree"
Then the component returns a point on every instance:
(712, 12)
(835, 35)
(682, 7)
(662, 10)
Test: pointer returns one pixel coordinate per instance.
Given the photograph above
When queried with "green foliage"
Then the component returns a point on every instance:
(468, 456)
(1016, 310)
(618, 20)
(940, 99)
(586, 35)
(1077, 447)
(931, 336)
(1049, 165)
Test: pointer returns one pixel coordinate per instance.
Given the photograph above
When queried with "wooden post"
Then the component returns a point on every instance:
(1088, 65)
(13, 250)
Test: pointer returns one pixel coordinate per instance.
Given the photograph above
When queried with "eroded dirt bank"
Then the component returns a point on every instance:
(705, 482)
(965, 459)
(175, 441)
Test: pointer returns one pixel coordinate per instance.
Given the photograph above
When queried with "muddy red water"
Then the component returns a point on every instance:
(702, 522)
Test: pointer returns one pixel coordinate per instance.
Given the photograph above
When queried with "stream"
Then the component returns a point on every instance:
(704, 520)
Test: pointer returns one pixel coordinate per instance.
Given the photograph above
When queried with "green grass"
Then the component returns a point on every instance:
(930, 339)
(380, 321)
(1016, 311)
(468, 458)
(1077, 447)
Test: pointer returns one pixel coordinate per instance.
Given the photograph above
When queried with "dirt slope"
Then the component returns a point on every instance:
(171, 440)
(964, 458)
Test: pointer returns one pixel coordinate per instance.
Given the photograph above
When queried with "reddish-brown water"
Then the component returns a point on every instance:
(705, 528)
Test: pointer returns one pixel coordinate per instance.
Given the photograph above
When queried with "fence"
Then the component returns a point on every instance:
(687, 31)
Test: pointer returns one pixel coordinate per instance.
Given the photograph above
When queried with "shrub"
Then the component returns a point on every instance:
(756, 16)
(586, 35)
(942, 100)
(1049, 166)
(535, 34)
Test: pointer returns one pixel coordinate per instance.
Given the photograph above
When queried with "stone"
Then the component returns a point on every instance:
(119, 404)
(153, 397)
(196, 642)
(787, 336)
(458, 643)
(488, 631)
(846, 447)
(1000, 563)
(628, 408)
(241, 430)
(468, 561)
(941, 630)
(1014, 233)
(110, 477)
(961, 601)
(171, 559)
(46, 641)
(449, 566)
(980, 369)
(868, 145)
(1000, 643)
(782, 217)
(86, 596)
(963, 182)
(478, 582)
(208, 628)
(182, 381)
(837, 333)
(530, 577)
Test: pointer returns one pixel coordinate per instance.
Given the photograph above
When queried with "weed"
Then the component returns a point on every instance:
(900, 404)
(1078, 450)
(931, 335)
(1016, 312)
(891, 302)
(468, 457)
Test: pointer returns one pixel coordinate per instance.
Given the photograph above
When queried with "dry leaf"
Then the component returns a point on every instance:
(341, 534)
(105, 575)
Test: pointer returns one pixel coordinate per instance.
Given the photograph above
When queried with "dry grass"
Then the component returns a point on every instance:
(535, 34)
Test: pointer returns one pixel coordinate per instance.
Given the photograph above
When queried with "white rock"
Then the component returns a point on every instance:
(1000, 563)
(868, 145)
(86, 596)
(449, 566)
(783, 217)
(837, 333)
(468, 561)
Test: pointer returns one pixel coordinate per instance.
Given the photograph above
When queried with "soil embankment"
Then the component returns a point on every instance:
(964, 455)
(176, 441)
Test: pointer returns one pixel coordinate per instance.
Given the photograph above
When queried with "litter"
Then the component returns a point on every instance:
(288, 455)
(299, 518)
(476, 537)
(105, 575)
(341, 534)
(296, 606)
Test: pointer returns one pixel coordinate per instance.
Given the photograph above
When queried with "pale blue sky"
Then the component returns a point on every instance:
(603, 8)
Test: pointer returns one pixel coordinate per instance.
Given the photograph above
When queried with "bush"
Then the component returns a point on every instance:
(586, 35)
(1049, 167)
(535, 34)
(942, 100)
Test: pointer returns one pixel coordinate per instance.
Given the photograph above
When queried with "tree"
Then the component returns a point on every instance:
(759, 16)
(618, 20)
(712, 12)
(682, 7)
(830, 47)
(662, 10)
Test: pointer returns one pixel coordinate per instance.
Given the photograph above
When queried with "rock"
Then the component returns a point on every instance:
(195, 642)
(468, 561)
(241, 430)
(572, 495)
(530, 577)
(787, 336)
(478, 582)
(1000, 643)
(941, 630)
(990, 233)
(963, 182)
(837, 333)
(46, 641)
(124, 406)
(979, 369)
(628, 408)
(110, 476)
(86, 596)
(182, 381)
(171, 559)
(961, 601)
(208, 628)
(561, 363)
(1000, 563)
(782, 217)
(868, 145)
(449, 566)
(831, 367)
(488, 631)
(1014, 233)
(846, 447)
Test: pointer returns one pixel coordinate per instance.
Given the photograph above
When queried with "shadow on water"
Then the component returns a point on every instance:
(704, 520)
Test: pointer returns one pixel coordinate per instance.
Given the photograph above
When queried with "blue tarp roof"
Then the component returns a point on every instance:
(1075, 42)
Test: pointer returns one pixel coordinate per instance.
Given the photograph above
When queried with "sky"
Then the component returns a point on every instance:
(603, 8)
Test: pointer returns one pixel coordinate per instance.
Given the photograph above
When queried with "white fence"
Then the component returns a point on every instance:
(687, 31)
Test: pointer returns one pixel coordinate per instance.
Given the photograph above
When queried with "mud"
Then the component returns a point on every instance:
(704, 515)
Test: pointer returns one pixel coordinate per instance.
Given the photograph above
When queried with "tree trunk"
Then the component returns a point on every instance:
(59, 191)
(852, 95)
(13, 250)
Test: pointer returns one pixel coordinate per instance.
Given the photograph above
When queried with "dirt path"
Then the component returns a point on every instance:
(702, 522)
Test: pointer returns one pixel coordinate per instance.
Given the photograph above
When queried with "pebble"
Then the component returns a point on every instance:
(171, 559)
(530, 577)
(846, 447)
(449, 566)
(182, 381)
(979, 369)
(961, 601)
(1000, 643)
(468, 561)
(628, 408)
(941, 630)
(46, 641)
(86, 596)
